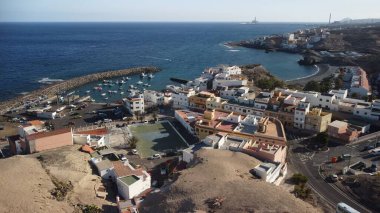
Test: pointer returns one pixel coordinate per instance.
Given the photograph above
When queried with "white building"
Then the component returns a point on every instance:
(154, 97)
(47, 114)
(134, 103)
(269, 172)
(180, 99)
(233, 93)
(130, 181)
(187, 119)
(228, 80)
(104, 168)
(300, 113)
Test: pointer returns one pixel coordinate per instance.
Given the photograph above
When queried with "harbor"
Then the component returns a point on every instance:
(52, 90)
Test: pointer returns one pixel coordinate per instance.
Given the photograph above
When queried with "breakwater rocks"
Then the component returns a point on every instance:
(52, 90)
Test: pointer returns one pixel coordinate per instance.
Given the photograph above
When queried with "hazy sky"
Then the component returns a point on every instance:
(187, 10)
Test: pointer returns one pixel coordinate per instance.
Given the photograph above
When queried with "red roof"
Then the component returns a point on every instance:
(101, 131)
(48, 134)
(87, 148)
(121, 170)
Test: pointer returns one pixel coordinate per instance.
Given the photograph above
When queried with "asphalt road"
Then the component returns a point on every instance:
(308, 164)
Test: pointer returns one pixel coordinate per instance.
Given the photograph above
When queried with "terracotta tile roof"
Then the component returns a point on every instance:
(121, 170)
(36, 122)
(48, 134)
(101, 131)
(87, 148)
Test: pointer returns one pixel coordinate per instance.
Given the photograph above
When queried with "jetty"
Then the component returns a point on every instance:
(66, 85)
(179, 80)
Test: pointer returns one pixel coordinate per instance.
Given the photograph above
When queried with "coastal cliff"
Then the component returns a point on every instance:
(71, 84)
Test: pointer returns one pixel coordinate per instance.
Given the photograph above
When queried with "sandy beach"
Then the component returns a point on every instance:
(324, 71)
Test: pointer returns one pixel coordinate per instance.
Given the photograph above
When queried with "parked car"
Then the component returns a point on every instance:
(332, 178)
(122, 157)
(135, 152)
(155, 156)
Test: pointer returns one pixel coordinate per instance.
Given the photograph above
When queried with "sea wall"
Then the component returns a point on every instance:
(52, 90)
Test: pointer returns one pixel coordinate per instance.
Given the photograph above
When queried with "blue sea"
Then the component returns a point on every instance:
(32, 51)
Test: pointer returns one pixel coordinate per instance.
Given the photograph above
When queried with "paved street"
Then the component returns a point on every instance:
(308, 163)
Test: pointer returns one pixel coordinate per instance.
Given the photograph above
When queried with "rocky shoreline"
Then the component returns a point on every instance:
(51, 90)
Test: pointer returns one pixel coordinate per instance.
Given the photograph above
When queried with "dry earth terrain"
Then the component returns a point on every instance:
(26, 182)
(224, 175)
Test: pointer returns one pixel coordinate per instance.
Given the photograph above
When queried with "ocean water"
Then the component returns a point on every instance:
(30, 52)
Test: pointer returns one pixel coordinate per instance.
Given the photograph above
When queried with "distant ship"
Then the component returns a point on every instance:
(252, 22)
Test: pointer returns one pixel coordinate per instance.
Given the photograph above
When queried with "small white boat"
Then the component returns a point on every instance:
(88, 91)
(98, 88)
(131, 86)
(106, 98)
(143, 75)
(139, 82)
(150, 75)
(121, 93)
(147, 85)
(127, 78)
(104, 94)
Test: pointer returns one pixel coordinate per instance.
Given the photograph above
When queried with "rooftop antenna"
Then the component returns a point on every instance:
(330, 19)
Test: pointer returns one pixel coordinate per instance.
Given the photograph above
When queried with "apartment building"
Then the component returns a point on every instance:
(199, 101)
(134, 103)
(180, 99)
(342, 131)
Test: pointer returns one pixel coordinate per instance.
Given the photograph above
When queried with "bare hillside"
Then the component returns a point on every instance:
(224, 175)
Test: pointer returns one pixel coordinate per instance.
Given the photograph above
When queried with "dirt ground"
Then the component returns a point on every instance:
(231, 181)
(25, 182)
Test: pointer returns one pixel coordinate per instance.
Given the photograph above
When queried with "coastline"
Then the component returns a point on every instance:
(52, 89)
(324, 71)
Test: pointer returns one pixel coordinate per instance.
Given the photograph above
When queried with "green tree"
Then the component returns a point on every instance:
(299, 178)
(312, 86)
(322, 138)
(133, 142)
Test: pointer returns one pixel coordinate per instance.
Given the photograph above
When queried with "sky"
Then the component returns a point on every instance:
(185, 10)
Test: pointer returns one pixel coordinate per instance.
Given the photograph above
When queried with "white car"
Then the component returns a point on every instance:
(135, 152)
(155, 156)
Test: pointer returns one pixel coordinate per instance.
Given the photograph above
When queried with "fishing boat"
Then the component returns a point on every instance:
(139, 82)
(147, 85)
(88, 91)
(150, 75)
(98, 88)
(126, 78)
(104, 94)
(143, 75)
(121, 93)
(131, 86)
(106, 98)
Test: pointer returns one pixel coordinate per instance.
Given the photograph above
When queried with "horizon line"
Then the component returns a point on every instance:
(259, 22)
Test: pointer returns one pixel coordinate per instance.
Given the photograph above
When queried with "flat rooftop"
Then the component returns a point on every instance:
(129, 180)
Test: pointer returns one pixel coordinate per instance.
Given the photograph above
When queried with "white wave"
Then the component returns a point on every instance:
(49, 80)
(23, 93)
(158, 58)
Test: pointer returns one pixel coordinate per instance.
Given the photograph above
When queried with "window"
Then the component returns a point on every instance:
(327, 100)
(320, 99)
(357, 112)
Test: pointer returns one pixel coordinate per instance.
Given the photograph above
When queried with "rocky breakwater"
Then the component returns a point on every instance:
(52, 90)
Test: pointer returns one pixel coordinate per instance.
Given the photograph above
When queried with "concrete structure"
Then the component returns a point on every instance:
(270, 172)
(342, 131)
(180, 99)
(356, 81)
(154, 97)
(104, 168)
(187, 119)
(199, 101)
(265, 136)
(228, 80)
(134, 103)
(130, 181)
